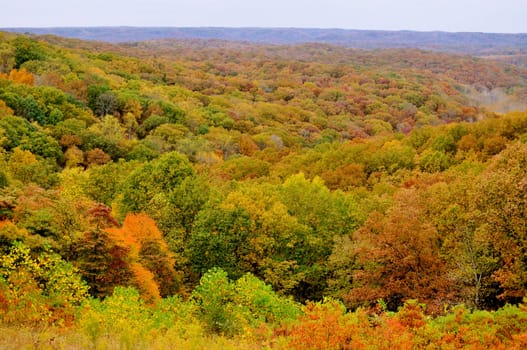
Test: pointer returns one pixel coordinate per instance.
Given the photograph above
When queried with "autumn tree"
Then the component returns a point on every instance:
(102, 261)
(500, 203)
(7, 57)
(149, 249)
(168, 190)
(19, 76)
(37, 289)
(399, 258)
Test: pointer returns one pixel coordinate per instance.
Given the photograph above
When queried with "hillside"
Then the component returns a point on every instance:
(467, 43)
(217, 194)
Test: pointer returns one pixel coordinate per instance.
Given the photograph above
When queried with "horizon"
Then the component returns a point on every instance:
(451, 16)
(258, 27)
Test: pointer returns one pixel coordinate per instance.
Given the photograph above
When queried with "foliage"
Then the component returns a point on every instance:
(163, 170)
(398, 258)
(102, 262)
(38, 289)
(153, 263)
(232, 308)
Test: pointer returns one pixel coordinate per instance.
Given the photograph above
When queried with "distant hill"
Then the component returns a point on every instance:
(468, 43)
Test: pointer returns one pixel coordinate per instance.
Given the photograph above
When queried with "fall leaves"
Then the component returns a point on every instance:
(399, 258)
(208, 197)
(19, 76)
(135, 254)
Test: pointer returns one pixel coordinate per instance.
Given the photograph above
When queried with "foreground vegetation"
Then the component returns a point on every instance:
(247, 314)
(167, 194)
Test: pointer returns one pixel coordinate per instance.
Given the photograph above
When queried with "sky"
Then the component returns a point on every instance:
(498, 16)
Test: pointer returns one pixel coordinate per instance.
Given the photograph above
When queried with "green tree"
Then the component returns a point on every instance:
(214, 296)
(30, 109)
(154, 181)
(27, 50)
(228, 307)
(220, 238)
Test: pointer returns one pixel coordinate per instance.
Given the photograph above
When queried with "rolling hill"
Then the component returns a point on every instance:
(468, 43)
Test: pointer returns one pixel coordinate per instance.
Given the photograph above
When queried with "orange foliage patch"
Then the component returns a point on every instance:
(145, 283)
(324, 326)
(19, 76)
(5, 223)
(137, 229)
(138, 232)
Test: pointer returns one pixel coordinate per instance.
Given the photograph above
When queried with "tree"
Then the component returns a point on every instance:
(30, 109)
(37, 289)
(7, 57)
(106, 104)
(93, 92)
(214, 296)
(19, 76)
(25, 167)
(105, 181)
(327, 213)
(97, 156)
(398, 255)
(252, 230)
(102, 262)
(470, 256)
(323, 325)
(229, 307)
(500, 203)
(109, 128)
(149, 252)
(18, 132)
(220, 238)
(4, 109)
(155, 179)
(27, 50)
(242, 168)
(434, 161)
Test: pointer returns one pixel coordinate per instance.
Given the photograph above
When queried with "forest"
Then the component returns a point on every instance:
(204, 194)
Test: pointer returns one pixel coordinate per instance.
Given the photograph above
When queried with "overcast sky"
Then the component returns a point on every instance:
(502, 16)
